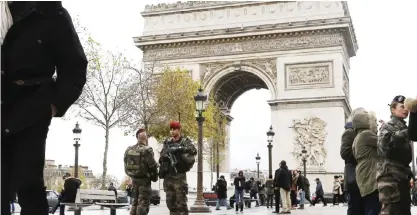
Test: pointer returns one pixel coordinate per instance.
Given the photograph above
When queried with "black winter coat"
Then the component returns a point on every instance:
(239, 183)
(41, 41)
(283, 178)
(221, 188)
(71, 186)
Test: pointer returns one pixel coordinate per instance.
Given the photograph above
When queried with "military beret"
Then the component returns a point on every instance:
(398, 99)
(175, 125)
(140, 131)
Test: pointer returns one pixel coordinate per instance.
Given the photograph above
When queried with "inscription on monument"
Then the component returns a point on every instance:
(308, 75)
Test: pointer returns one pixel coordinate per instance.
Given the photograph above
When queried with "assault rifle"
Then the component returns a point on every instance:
(172, 151)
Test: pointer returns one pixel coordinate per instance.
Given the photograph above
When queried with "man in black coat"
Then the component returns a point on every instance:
(68, 194)
(221, 191)
(40, 41)
(282, 181)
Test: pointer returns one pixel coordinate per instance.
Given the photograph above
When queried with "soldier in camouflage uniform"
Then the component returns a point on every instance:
(174, 174)
(141, 166)
(394, 173)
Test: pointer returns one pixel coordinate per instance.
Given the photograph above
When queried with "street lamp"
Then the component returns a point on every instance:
(304, 158)
(77, 137)
(199, 204)
(258, 160)
(270, 134)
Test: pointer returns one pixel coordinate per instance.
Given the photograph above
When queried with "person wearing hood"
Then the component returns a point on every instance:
(239, 183)
(395, 152)
(365, 153)
(355, 204)
(221, 191)
(283, 180)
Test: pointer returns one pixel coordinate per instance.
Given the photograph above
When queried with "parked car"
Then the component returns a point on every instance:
(52, 198)
(155, 197)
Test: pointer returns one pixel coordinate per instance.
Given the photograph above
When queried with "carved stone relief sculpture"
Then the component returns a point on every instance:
(308, 75)
(268, 66)
(345, 84)
(310, 133)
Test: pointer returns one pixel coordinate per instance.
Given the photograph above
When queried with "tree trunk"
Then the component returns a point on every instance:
(106, 148)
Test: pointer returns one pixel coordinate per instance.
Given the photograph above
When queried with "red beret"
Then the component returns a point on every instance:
(175, 125)
(140, 131)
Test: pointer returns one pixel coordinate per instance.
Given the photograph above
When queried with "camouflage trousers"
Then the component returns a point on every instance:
(176, 189)
(394, 196)
(142, 192)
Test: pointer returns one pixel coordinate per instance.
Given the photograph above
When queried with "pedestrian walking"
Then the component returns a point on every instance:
(269, 186)
(221, 191)
(319, 194)
(239, 183)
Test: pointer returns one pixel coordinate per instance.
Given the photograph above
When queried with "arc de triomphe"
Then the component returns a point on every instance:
(299, 51)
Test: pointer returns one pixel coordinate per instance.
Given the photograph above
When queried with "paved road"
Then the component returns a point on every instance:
(162, 210)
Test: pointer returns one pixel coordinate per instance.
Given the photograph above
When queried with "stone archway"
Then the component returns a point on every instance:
(242, 75)
(299, 51)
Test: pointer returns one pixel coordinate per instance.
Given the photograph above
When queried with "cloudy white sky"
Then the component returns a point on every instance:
(385, 66)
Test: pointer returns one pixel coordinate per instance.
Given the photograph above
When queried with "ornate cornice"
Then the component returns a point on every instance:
(311, 102)
(142, 41)
(190, 5)
(244, 45)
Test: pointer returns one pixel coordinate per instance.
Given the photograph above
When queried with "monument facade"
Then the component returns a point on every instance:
(299, 51)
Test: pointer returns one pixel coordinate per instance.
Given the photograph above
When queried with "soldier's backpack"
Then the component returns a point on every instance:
(135, 165)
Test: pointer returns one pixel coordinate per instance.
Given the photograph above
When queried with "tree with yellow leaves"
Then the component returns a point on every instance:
(215, 135)
(174, 95)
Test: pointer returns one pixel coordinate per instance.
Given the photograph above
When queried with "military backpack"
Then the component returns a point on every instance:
(135, 164)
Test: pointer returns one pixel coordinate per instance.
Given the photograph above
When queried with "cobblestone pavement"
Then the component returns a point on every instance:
(162, 210)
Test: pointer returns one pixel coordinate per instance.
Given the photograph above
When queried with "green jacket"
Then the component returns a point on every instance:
(365, 152)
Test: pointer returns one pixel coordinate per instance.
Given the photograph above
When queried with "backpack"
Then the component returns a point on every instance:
(135, 166)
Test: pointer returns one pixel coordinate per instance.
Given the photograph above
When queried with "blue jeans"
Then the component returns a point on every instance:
(12, 206)
(221, 202)
(239, 196)
(302, 197)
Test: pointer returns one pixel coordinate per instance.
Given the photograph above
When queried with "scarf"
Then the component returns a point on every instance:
(6, 20)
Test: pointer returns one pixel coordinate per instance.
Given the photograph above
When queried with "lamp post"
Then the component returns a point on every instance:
(199, 204)
(77, 137)
(270, 134)
(217, 148)
(258, 160)
(304, 158)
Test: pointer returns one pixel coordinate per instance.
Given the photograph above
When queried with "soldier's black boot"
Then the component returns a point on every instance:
(241, 207)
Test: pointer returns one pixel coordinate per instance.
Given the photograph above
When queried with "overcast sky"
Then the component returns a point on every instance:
(383, 68)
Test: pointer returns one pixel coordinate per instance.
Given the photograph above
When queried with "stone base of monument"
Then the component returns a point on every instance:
(326, 178)
(200, 206)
